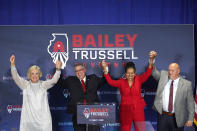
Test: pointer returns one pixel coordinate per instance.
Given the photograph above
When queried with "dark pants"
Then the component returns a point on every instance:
(83, 127)
(195, 127)
(167, 123)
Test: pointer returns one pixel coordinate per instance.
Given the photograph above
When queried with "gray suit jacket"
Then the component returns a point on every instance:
(184, 100)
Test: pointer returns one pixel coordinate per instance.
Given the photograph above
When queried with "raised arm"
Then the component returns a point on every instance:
(155, 73)
(20, 82)
(152, 55)
(50, 83)
(145, 75)
(114, 83)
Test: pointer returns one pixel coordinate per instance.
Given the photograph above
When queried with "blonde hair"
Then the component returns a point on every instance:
(34, 67)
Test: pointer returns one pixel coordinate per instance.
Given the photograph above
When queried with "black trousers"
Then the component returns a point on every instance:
(167, 123)
(195, 128)
(83, 127)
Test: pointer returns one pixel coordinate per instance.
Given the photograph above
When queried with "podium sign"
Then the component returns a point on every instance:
(96, 113)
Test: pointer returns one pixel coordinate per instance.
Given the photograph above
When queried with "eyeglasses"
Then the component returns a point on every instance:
(79, 70)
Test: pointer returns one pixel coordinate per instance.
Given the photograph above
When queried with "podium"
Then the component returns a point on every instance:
(96, 113)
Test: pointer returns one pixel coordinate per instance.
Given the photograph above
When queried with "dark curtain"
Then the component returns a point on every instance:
(55, 12)
(59, 12)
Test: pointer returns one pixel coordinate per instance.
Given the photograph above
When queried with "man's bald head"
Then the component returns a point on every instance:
(173, 71)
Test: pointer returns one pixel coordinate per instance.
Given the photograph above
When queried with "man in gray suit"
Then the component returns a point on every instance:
(174, 99)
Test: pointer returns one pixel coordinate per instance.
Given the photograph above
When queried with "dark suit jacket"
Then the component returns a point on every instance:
(77, 95)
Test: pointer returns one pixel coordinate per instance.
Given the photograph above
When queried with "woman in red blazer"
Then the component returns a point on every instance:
(132, 104)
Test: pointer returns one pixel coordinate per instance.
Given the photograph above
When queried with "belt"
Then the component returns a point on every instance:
(167, 113)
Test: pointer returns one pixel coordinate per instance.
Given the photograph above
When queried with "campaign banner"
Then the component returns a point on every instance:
(102, 113)
(89, 44)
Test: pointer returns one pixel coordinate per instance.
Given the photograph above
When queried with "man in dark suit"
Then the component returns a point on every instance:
(83, 89)
(174, 98)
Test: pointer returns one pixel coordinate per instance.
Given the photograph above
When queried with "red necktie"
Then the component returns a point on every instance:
(170, 105)
(84, 89)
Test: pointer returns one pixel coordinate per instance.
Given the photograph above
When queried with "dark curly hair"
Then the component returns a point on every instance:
(130, 65)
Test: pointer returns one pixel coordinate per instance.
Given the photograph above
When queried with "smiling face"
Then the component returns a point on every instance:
(130, 74)
(80, 71)
(173, 71)
(34, 73)
(34, 76)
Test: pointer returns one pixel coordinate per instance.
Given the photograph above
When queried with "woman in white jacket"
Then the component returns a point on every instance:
(35, 115)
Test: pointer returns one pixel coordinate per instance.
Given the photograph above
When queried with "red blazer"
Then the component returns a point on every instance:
(131, 96)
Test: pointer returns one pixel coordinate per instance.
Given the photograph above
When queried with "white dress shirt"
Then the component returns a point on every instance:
(166, 93)
(84, 79)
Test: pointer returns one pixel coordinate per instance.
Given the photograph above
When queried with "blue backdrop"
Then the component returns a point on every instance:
(60, 12)
(89, 44)
(55, 12)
